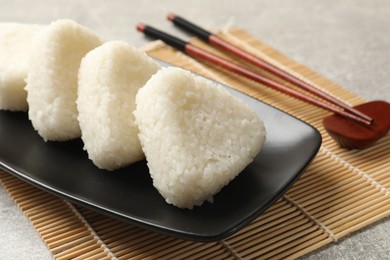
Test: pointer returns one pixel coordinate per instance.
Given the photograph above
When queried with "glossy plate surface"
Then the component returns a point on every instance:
(128, 194)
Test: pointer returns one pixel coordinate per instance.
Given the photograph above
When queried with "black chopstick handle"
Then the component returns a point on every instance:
(189, 27)
(167, 38)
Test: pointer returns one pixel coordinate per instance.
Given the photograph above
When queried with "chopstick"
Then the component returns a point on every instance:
(197, 52)
(218, 42)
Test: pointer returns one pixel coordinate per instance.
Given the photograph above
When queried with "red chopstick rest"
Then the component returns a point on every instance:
(358, 136)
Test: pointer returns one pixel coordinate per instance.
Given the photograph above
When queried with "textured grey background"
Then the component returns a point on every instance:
(347, 41)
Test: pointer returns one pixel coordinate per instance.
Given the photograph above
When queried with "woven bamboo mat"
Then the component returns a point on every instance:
(341, 191)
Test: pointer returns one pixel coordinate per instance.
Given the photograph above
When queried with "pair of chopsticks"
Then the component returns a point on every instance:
(338, 107)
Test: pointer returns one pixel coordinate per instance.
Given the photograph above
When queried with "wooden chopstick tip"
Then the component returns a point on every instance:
(171, 16)
(140, 27)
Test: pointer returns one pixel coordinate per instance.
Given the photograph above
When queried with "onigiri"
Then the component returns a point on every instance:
(196, 136)
(15, 51)
(109, 79)
(52, 78)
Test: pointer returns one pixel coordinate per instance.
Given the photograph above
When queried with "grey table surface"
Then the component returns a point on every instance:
(347, 41)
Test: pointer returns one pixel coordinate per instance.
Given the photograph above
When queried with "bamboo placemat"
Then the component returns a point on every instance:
(341, 191)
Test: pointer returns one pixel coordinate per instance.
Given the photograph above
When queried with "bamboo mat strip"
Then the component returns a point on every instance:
(340, 192)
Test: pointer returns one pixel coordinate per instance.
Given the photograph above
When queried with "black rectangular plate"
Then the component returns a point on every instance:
(63, 168)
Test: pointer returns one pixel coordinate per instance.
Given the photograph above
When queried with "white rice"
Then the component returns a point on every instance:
(196, 136)
(109, 79)
(15, 50)
(52, 78)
